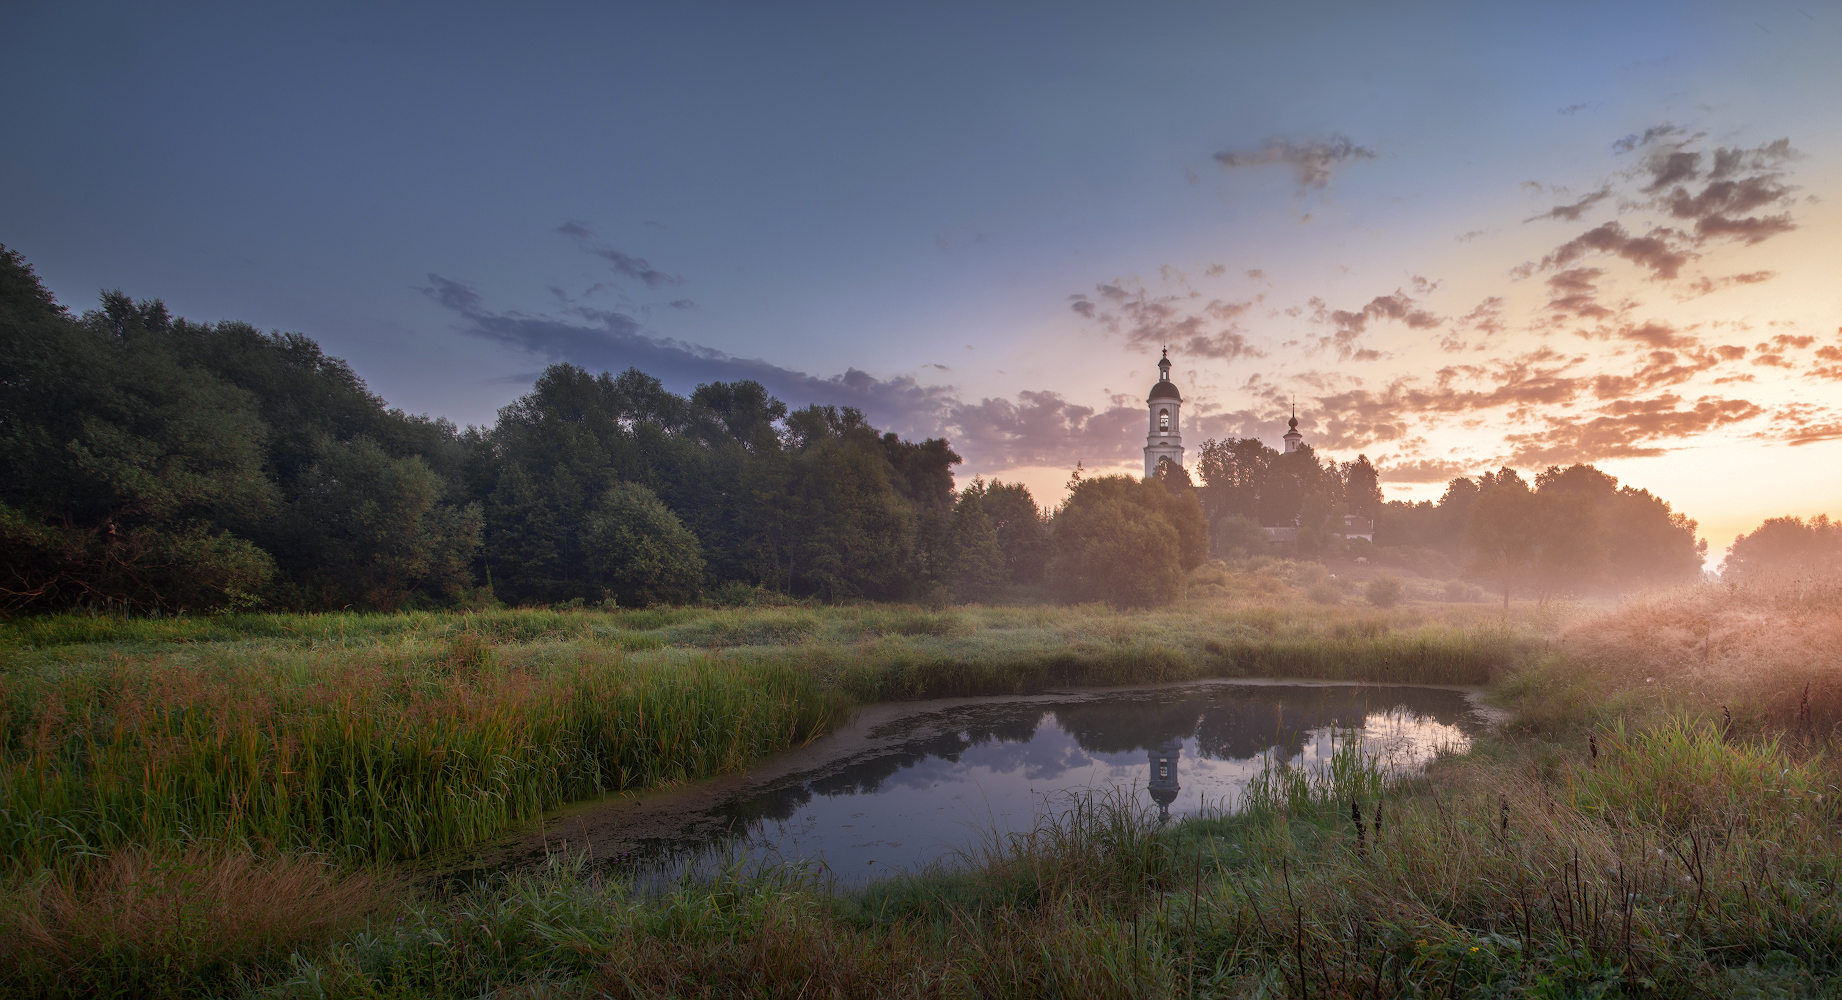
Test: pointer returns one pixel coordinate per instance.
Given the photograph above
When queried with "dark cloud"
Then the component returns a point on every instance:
(1574, 109)
(1576, 293)
(1312, 163)
(1668, 168)
(682, 303)
(1658, 250)
(624, 264)
(1572, 212)
(635, 267)
(606, 340)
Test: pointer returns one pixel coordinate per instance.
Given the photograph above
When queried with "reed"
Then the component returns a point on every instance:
(375, 753)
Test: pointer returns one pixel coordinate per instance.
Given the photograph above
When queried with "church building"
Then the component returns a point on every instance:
(1164, 441)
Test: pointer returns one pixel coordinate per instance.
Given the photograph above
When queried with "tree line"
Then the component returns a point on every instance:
(1572, 530)
(152, 463)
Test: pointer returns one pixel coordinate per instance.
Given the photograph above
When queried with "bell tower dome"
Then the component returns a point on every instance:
(1292, 436)
(1165, 439)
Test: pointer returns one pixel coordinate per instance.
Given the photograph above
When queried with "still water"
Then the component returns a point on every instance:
(917, 788)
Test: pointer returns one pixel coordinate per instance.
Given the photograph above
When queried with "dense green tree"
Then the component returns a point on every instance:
(1234, 475)
(1127, 542)
(371, 530)
(637, 551)
(1022, 528)
(118, 462)
(976, 557)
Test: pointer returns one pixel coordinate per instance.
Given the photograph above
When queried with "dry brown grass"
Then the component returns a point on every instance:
(1754, 648)
(147, 923)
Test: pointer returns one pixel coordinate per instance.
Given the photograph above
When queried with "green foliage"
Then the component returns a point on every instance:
(371, 530)
(1022, 528)
(978, 569)
(638, 550)
(178, 567)
(1126, 542)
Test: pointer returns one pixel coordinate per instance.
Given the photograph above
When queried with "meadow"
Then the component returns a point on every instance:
(214, 806)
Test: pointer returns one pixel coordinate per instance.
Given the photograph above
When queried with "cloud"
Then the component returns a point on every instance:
(1705, 285)
(606, 340)
(1181, 321)
(1574, 109)
(624, 264)
(1650, 135)
(1572, 212)
(1348, 325)
(1627, 429)
(1576, 294)
(635, 267)
(1656, 250)
(1313, 163)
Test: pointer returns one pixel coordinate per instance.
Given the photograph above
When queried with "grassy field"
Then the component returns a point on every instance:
(208, 807)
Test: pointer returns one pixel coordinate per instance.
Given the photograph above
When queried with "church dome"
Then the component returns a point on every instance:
(1165, 390)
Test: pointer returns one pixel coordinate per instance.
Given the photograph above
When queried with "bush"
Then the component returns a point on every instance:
(1384, 591)
(1325, 592)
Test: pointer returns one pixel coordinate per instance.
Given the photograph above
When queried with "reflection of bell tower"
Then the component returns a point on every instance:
(1164, 776)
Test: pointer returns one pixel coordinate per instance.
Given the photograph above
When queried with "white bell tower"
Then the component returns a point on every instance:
(1164, 440)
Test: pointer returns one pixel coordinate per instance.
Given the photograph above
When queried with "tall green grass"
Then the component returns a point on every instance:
(389, 736)
(368, 754)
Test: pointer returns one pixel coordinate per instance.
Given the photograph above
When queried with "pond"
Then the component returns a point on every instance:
(907, 785)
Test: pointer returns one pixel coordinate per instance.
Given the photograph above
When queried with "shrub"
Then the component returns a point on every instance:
(1325, 592)
(1384, 591)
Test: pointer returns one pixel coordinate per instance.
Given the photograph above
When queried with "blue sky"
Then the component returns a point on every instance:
(892, 206)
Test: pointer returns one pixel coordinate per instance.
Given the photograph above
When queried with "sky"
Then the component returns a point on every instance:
(1456, 236)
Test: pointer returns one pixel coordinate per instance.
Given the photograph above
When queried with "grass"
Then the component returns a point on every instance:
(1658, 817)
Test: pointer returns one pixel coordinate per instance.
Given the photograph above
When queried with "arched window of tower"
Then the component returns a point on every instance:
(1164, 421)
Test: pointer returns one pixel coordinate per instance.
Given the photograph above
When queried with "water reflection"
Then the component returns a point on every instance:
(946, 780)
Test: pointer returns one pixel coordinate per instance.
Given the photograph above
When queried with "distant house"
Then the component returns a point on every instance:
(1355, 526)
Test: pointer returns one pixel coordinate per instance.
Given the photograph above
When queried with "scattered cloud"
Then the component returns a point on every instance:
(1627, 429)
(1572, 212)
(1659, 250)
(1181, 320)
(1313, 163)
